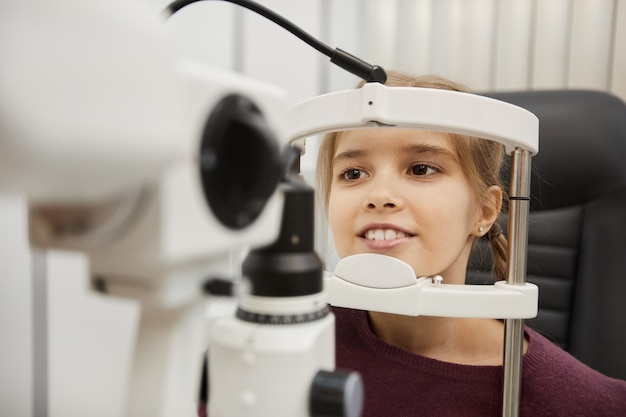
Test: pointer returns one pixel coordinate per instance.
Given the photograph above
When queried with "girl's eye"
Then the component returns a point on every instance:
(422, 169)
(352, 174)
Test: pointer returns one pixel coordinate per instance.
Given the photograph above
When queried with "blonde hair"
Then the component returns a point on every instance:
(480, 160)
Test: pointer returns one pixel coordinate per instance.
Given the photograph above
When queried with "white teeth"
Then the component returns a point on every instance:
(384, 234)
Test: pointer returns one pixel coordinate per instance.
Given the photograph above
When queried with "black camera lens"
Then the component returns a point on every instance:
(240, 163)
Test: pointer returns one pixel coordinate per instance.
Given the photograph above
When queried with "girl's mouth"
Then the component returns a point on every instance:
(384, 234)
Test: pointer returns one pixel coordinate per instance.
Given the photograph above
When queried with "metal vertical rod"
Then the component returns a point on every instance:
(519, 205)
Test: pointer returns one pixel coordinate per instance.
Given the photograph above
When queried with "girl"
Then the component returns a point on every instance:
(424, 197)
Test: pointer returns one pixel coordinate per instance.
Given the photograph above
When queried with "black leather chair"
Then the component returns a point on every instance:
(577, 226)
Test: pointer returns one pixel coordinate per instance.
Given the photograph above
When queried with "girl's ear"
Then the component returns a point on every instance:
(490, 207)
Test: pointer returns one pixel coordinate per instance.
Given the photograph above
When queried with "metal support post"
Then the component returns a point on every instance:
(519, 205)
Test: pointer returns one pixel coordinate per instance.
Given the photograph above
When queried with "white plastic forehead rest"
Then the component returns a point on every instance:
(413, 107)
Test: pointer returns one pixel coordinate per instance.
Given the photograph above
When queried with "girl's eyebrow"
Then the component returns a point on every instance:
(429, 149)
(421, 148)
(349, 154)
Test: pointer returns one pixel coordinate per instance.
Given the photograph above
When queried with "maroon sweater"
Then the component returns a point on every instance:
(402, 384)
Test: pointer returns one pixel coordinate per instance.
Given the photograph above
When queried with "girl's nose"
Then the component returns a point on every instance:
(373, 205)
(383, 195)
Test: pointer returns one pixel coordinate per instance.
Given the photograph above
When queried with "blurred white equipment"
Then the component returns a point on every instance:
(156, 170)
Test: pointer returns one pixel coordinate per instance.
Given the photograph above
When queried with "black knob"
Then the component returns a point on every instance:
(336, 394)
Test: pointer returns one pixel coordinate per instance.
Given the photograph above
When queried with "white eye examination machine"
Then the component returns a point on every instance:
(140, 162)
(165, 173)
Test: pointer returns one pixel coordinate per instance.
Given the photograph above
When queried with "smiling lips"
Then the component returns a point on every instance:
(384, 234)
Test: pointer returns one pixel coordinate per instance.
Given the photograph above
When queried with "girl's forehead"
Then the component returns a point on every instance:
(378, 139)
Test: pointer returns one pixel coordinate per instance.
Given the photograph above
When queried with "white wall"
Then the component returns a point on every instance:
(489, 44)
(16, 311)
(503, 44)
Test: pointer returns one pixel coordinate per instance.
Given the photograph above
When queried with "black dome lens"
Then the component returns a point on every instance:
(240, 162)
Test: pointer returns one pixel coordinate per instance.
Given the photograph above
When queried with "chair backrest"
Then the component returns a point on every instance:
(577, 226)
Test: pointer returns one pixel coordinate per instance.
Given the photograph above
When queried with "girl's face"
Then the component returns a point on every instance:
(402, 192)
